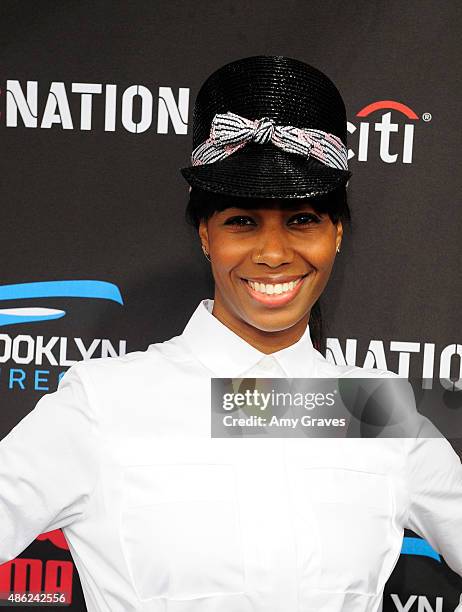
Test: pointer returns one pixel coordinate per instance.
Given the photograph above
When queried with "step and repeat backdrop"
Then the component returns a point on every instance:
(96, 101)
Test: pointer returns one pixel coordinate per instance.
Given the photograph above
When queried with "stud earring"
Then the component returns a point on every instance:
(206, 253)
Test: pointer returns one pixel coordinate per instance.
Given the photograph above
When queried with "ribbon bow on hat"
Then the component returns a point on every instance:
(230, 132)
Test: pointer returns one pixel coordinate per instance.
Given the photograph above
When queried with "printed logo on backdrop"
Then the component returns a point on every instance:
(26, 358)
(133, 108)
(419, 603)
(395, 138)
(443, 365)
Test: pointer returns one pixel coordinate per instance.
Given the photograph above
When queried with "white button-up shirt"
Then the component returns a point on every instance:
(160, 517)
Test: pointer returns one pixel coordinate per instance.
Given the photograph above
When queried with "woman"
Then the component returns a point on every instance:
(158, 515)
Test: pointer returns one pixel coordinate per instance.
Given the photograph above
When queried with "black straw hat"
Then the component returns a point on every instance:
(281, 131)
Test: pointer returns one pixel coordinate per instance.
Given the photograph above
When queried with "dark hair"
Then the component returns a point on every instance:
(202, 204)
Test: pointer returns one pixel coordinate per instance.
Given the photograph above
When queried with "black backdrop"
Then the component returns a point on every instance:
(91, 190)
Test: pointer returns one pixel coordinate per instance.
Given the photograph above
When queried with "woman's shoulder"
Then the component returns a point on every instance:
(114, 382)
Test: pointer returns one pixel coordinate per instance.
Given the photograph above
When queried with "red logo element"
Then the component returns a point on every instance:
(387, 104)
(56, 537)
(37, 576)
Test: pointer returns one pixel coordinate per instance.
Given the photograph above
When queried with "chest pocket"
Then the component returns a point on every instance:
(353, 516)
(180, 530)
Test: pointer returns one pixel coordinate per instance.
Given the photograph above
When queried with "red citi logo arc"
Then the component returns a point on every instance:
(386, 128)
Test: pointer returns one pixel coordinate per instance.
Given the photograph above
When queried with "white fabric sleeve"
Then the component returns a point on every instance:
(49, 465)
(434, 482)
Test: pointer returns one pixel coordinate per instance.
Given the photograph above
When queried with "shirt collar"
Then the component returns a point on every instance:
(226, 354)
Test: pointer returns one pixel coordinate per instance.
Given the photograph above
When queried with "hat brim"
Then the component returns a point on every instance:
(265, 171)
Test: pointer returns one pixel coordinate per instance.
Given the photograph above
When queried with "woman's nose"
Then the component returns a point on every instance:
(272, 248)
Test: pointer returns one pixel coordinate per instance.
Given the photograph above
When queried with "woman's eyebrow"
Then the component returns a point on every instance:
(293, 207)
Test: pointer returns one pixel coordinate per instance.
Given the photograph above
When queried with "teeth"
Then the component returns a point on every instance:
(270, 289)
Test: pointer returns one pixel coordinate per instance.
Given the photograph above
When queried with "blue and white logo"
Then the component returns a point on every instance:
(93, 289)
(417, 546)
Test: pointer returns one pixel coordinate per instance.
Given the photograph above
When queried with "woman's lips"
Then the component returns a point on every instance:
(274, 299)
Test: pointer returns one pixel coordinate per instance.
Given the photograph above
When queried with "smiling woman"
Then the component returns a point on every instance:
(271, 260)
(160, 515)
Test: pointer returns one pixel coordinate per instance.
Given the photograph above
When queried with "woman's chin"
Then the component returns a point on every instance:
(275, 319)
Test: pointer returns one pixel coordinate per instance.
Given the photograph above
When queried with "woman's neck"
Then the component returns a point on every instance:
(265, 341)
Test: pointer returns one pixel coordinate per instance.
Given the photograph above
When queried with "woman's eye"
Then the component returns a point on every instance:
(300, 219)
(238, 220)
(306, 219)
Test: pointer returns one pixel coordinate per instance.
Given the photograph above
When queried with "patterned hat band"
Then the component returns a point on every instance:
(230, 132)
